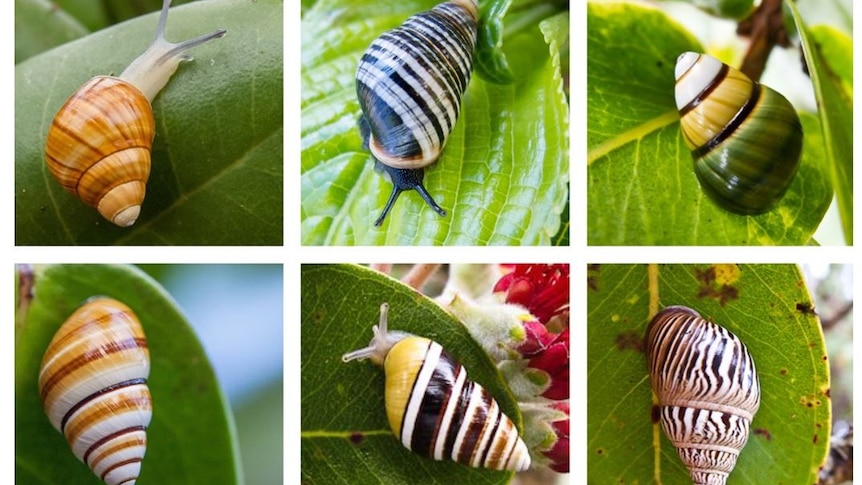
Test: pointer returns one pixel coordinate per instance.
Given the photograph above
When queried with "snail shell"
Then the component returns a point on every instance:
(707, 388)
(745, 138)
(409, 83)
(98, 146)
(93, 385)
(434, 409)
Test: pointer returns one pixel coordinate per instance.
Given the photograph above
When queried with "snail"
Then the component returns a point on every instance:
(745, 138)
(434, 409)
(409, 83)
(93, 386)
(707, 388)
(98, 146)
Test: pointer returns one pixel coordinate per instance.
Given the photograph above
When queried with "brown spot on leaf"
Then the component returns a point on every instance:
(783, 372)
(805, 308)
(710, 288)
(357, 438)
(764, 433)
(655, 414)
(593, 276)
(600, 451)
(631, 340)
(816, 439)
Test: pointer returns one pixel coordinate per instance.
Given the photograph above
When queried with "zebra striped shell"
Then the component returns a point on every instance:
(409, 84)
(98, 146)
(707, 388)
(746, 139)
(93, 385)
(434, 409)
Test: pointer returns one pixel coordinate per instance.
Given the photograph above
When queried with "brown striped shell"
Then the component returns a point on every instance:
(93, 386)
(98, 146)
(435, 409)
(707, 388)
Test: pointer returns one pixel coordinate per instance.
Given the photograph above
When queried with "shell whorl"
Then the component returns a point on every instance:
(98, 147)
(435, 409)
(93, 386)
(410, 81)
(707, 388)
(745, 138)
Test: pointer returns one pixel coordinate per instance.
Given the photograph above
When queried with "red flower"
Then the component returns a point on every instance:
(559, 453)
(554, 360)
(543, 289)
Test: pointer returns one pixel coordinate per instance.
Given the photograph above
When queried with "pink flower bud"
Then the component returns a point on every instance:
(559, 453)
(554, 360)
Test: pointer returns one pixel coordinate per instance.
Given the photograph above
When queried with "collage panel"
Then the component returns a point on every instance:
(178, 143)
(721, 126)
(433, 373)
(719, 373)
(435, 123)
(170, 373)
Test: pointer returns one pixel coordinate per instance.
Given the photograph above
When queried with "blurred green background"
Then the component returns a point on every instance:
(236, 311)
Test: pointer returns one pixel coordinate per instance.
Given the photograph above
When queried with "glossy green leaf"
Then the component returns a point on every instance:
(217, 156)
(39, 27)
(502, 177)
(190, 438)
(835, 107)
(768, 307)
(346, 437)
(640, 181)
(490, 61)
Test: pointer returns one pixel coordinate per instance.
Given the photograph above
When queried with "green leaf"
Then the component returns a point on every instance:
(217, 156)
(39, 27)
(190, 438)
(835, 108)
(640, 182)
(768, 307)
(502, 177)
(345, 433)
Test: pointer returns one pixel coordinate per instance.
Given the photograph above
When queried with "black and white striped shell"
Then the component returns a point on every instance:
(707, 388)
(434, 409)
(745, 138)
(93, 386)
(409, 84)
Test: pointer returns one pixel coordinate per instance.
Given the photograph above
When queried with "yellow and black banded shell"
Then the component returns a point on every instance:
(746, 138)
(93, 386)
(409, 83)
(98, 146)
(435, 410)
(707, 388)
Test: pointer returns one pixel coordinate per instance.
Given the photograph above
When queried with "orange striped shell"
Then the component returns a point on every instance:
(98, 147)
(93, 386)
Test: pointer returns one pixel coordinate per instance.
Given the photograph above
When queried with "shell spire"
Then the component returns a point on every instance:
(707, 388)
(93, 386)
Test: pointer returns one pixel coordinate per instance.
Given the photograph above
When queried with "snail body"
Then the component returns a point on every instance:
(434, 409)
(707, 388)
(98, 145)
(745, 138)
(93, 386)
(409, 83)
